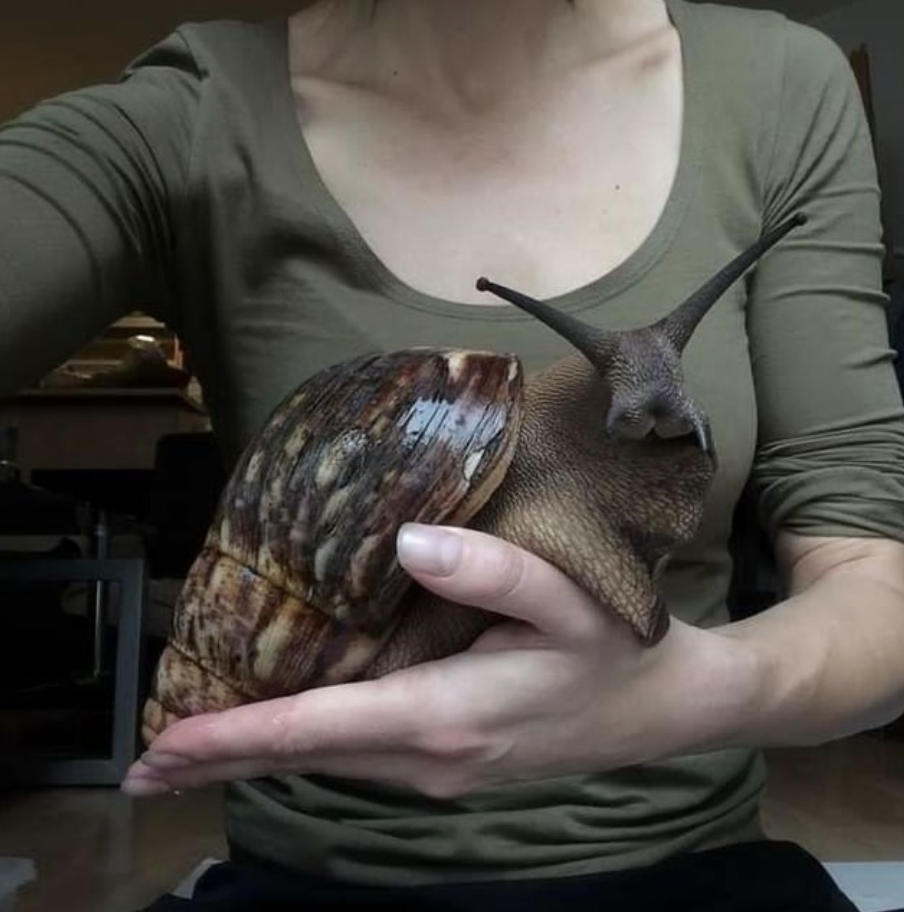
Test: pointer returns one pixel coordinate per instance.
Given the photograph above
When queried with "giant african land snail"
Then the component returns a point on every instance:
(297, 585)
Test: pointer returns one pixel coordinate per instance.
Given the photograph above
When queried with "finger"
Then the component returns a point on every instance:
(154, 775)
(145, 778)
(292, 731)
(473, 568)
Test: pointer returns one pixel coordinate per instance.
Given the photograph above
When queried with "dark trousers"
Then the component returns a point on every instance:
(751, 877)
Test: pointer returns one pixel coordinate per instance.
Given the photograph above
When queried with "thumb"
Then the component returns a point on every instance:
(473, 568)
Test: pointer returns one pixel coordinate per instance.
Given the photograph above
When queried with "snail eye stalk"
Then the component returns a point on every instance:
(599, 345)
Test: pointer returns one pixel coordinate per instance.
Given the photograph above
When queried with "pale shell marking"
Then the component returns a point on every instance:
(358, 652)
(360, 578)
(297, 441)
(336, 504)
(268, 565)
(254, 467)
(322, 559)
(472, 464)
(342, 451)
(456, 363)
(271, 644)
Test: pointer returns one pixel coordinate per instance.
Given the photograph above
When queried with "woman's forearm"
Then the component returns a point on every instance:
(829, 658)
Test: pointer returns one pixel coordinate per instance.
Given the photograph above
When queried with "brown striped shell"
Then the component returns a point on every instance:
(297, 584)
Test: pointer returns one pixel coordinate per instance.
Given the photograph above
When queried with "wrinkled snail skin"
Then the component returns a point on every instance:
(599, 464)
(572, 496)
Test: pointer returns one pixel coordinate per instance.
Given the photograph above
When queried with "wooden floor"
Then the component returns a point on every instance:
(96, 851)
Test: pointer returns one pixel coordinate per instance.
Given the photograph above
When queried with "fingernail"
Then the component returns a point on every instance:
(161, 761)
(429, 549)
(144, 788)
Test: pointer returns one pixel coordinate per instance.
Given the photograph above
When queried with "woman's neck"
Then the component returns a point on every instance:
(469, 56)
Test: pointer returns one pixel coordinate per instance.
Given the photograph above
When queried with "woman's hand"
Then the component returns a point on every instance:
(561, 687)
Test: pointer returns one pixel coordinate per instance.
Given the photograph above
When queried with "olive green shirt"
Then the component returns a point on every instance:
(186, 189)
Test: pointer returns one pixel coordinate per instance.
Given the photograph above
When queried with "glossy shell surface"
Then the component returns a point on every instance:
(298, 584)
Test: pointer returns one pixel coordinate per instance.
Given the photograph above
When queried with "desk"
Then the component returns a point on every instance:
(65, 429)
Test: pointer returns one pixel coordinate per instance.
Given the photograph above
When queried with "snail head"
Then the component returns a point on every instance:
(642, 367)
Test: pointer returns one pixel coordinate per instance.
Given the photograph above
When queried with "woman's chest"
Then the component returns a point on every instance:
(549, 193)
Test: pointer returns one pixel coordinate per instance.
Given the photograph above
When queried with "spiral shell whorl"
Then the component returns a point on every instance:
(238, 638)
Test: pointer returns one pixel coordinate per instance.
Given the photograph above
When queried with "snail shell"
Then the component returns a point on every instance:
(297, 584)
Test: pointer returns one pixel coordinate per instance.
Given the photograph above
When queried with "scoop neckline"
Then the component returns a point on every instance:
(375, 274)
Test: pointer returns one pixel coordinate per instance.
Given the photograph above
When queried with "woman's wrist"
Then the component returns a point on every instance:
(821, 675)
(730, 680)
(702, 692)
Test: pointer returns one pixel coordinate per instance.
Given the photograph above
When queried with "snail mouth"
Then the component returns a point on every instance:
(695, 427)
(690, 426)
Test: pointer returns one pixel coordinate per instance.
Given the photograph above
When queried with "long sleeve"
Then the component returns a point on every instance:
(90, 183)
(831, 433)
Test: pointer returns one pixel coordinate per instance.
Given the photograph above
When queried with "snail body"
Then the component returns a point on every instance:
(599, 464)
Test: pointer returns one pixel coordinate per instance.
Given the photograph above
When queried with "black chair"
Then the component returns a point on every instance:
(34, 766)
(189, 475)
(54, 679)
